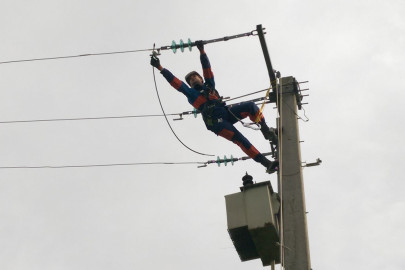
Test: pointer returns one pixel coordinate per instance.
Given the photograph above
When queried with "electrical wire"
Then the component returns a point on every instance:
(82, 118)
(100, 165)
(140, 116)
(298, 117)
(167, 120)
(259, 91)
(72, 56)
(173, 47)
(256, 92)
(218, 161)
(115, 117)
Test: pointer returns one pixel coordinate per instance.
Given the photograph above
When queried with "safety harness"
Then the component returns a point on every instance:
(207, 112)
(211, 104)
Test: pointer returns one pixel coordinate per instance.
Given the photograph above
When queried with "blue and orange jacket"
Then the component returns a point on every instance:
(199, 96)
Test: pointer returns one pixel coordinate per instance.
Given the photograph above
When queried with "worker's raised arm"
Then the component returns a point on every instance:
(155, 62)
(191, 94)
(205, 63)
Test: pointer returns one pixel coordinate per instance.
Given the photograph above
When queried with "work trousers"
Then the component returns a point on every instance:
(223, 120)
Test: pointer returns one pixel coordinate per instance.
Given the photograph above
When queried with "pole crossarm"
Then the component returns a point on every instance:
(272, 75)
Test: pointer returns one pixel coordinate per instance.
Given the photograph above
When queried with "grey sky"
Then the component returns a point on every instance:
(173, 216)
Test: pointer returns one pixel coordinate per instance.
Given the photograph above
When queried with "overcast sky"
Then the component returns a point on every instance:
(173, 216)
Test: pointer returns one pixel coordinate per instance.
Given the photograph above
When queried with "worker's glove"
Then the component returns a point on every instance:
(155, 62)
(199, 44)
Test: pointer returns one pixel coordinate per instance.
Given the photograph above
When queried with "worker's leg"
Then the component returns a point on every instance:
(229, 132)
(250, 109)
(246, 109)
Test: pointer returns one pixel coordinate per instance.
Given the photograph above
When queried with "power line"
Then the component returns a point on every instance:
(98, 118)
(82, 118)
(100, 165)
(130, 116)
(72, 56)
(249, 94)
(173, 47)
(217, 161)
(116, 117)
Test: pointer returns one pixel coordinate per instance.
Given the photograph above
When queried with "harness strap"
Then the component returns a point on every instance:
(262, 107)
(248, 125)
(208, 110)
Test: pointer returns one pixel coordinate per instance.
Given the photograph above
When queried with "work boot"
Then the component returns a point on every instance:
(271, 166)
(269, 133)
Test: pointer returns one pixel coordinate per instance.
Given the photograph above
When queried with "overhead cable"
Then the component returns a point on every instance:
(99, 165)
(83, 118)
(167, 120)
(130, 116)
(217, 161)
(72, 56)
(173, 47)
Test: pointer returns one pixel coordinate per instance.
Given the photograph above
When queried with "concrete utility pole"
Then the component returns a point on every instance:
(291, 187)
(295, 246)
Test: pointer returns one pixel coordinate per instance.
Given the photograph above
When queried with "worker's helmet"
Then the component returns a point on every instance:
(190, 74)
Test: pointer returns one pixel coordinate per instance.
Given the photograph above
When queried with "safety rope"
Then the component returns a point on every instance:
(264, 102)
(247, 125)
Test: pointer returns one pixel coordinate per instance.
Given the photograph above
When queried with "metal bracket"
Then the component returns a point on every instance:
(316, 163)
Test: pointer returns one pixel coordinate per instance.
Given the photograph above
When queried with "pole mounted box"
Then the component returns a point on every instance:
(253, 224)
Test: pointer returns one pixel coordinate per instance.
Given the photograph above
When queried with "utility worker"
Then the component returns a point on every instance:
(218, 117)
